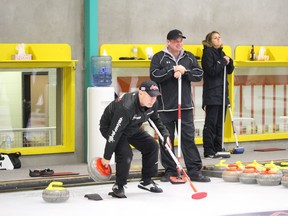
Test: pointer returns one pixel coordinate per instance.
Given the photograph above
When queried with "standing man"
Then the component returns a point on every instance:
(165, 69)
(120, 124)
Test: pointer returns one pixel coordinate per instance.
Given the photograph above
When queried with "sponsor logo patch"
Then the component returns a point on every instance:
(114, 131)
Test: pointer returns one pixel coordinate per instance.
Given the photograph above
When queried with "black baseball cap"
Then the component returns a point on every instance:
(150, 87)
(174, 34)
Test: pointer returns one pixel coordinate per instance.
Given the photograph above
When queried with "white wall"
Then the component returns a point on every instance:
(259, 22)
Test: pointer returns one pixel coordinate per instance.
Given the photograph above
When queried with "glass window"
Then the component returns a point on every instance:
(30, 107)
(261, 100)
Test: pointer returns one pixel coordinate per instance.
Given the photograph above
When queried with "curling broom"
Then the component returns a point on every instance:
(196, 195)
(237, 149)
(178, 179)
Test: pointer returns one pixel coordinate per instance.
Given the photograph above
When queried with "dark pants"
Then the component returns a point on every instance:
(149, 149)
(212, 132)
(189, 150)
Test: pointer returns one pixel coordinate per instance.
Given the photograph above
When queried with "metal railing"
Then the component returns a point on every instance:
(28, 137)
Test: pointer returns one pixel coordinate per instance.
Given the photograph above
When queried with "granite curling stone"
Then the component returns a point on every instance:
(268, 178)
(240, 165)
(232, 173)
(260, 167)
(274, 168)
(284, 180)
(249, 175)
(221, 166)
(97, 171)
(55, 193)
(284, 167)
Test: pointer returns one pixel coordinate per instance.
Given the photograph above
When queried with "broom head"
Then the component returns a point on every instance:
(199, 195)
(177, 180)
(238, 150)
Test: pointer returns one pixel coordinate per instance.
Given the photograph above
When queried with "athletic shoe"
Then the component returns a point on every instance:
(224, 154)
(150, 186)
(38, 173)
(118, 190)
(166, 177)
(215, 156)
(199, 178)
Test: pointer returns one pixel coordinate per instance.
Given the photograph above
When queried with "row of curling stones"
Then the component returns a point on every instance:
(251, 172)
(55, 193)
(221, 166)
(254, 173)
(283, 167)
(97, 171)
(260, 167)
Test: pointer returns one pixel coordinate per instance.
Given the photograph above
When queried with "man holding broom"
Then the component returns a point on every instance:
(120, 125)
(167, 66)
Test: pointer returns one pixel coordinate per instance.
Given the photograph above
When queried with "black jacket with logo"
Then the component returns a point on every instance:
(213, 65)
(125, 116)
(162, 72)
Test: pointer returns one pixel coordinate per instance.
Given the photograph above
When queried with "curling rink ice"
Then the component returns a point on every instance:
(224, 198)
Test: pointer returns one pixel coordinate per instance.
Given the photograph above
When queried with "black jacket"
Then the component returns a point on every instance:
(162, 72)
(125, 116)
(213, 65)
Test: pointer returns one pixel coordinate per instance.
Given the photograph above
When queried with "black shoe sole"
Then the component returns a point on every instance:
(164, 179)
(117, 195)
(143, 188)
(201, 179)
(216, 157)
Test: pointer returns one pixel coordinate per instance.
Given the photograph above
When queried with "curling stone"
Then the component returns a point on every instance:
(274, 168)
(249, 175)
(258, 166)
(284, 180)
(284, 167)
(232, 173)
(268, 178)
(221, 166)
(240, 165)
(55, 193)
(98, 172)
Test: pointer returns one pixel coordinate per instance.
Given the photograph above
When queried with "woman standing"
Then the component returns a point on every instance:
(214, 60)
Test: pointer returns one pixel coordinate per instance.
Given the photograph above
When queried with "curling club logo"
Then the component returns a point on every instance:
(154, 87)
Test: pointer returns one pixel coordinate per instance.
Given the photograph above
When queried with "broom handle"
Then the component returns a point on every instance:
(172, 155)
(179, 115)
(223, 111)
(232, 120)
